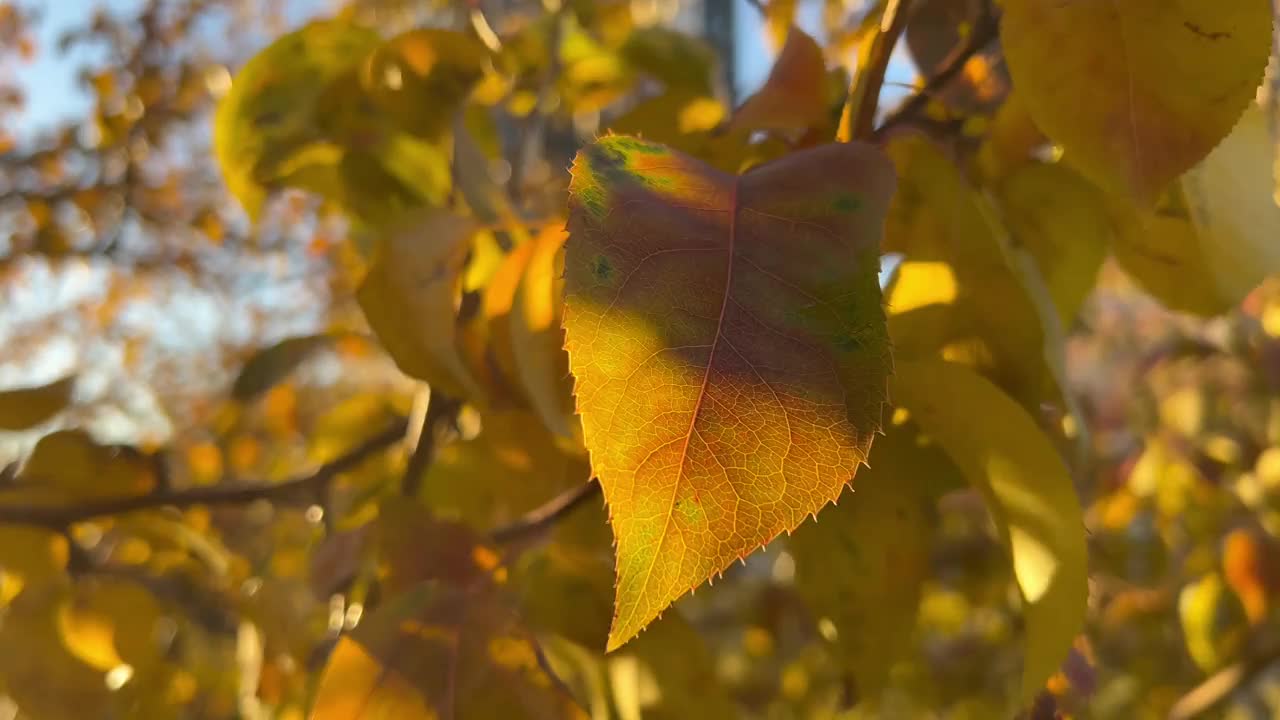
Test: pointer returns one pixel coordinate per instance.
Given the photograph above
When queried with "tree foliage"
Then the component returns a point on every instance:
(565, 332)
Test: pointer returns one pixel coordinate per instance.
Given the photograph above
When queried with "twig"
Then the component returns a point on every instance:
(984, 31)
(547, 514)
(438, 408)
(858, 120)
(60, 516)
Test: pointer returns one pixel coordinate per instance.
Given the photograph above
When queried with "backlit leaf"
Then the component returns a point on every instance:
(537, 339)
(728, 346)
(1062, 221)
(863, 562)
(410, 298)
(439, 652)
(1211, 239)
(998, 447)
(794, 97)
(956, 294)
(72, 464)
(267, 125)
(23, 408)
(1136, 91)
(1213, 622)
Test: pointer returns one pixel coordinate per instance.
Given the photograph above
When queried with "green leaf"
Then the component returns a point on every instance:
(440, 652)
(270, 365)
(268, 126)
(863, 562)
(729, 350)
(678, 60)
(1028, 490)
(1136, 91)
(1212, 239)
(25, 408)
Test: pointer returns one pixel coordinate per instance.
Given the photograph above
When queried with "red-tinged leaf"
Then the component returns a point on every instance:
(729, 349)
(794, 98)
(441, 653)
(414, 547)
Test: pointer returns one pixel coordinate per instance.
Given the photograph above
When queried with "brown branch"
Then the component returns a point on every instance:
(984, 31)
(546, 515)
(61, 516)
(439, 409)
(858, 120)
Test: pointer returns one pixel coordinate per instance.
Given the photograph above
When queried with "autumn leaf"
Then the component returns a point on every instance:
(71, 464)
(728, 346)
(24, 408)
(421, 77)
(863, 562)
(672, 657)
(1211, 239)
(794, 97)
(273, 363)
(1138, 91)
(411, 294)
(1028, 491)
(436, 651)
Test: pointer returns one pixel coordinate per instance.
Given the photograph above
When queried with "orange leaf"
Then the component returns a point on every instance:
(729, 349)
(794, 96)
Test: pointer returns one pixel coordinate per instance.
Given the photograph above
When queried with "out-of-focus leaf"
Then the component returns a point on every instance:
(24, 408)
(1211, 239)
(414, 547)
(440, 652)
(71, 464)
(272, 364)
(956, 294)
(1250, 568)
(496, 304)
(1012, 140)
(108, 621)
(862, 562)
(1062, 221)
(511, 467)
(537, 338)
(668, 673)
(410, 298)
(1028, 491)
(34, 554)
(794, 97)
(1213, 622)
(719, 328)
(43, 678)
(1136, 92)
(268, 126)
(679, 61)
(421, 78)
(936, 32)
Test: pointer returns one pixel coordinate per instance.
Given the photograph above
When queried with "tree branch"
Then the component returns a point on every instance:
(984, 31)
(60, 516)
(438, 408)
(858, 119)
(549, 513)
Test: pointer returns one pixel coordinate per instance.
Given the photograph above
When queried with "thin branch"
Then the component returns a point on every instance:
(437, 409)
(549, 513)
(984, 31)
(60, 516)
(858, 120)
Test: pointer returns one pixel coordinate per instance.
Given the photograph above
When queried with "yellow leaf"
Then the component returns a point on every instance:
(108, 621)
(1213, 622)
(863, 562)
(420, 78)
(668, 673)
(32, 553)
(410, 298)
(1137, 91)
(986, 314)
(1211, 240)
(1062, 221)
(537, 339)
(24, 408)
(499, 295)
(1002, 452)
(71, 463)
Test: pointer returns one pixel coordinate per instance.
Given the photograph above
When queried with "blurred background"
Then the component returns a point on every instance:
(127, 269)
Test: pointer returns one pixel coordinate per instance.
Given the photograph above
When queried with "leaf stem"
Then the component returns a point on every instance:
(61, 516)
(858, 120)
(547, 514)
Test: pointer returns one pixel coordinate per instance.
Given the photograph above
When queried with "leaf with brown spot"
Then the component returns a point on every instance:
(729, 349)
